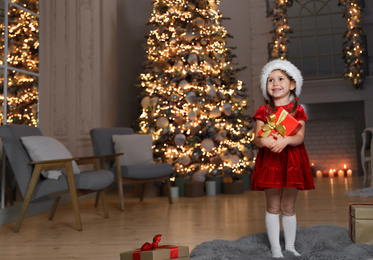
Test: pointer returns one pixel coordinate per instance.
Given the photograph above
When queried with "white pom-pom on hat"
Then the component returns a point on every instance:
(283, 65)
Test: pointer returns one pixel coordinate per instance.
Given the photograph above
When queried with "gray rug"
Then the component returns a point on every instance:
(364, 192)
(319, 242)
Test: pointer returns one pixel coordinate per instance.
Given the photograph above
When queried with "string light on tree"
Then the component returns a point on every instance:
(23, 42)
(192, 103)
(278, 48)
(355, 42)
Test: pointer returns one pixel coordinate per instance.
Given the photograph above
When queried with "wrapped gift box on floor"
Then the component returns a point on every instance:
(159, 253)
(361, 223)
(151, 251)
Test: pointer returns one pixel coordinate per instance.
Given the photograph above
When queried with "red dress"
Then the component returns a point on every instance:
(290, 168)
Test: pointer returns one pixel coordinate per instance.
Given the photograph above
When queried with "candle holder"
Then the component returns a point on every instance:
(313, 169)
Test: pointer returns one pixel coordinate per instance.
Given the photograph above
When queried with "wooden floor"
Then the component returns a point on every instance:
(188, 221)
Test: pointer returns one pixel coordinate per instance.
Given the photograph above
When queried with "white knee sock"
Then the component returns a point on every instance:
(273, 232)
(289, 224)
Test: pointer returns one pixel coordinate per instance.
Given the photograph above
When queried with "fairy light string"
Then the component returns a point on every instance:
(278, 47)
(192, 103)
(23, 48)
(354, 44)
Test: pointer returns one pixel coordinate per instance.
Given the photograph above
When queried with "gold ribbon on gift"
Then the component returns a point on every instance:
(272, 124)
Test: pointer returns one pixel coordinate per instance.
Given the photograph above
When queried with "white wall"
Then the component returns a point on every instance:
(78, 71)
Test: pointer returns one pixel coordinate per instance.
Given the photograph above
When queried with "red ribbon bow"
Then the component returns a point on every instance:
(174, 251)
(148, 246)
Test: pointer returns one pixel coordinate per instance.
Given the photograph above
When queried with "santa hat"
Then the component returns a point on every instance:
(285, 66)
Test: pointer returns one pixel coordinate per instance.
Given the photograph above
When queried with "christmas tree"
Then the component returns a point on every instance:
(22, 60)
(192, 103)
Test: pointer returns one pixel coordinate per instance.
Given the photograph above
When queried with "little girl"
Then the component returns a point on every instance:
(282, 166)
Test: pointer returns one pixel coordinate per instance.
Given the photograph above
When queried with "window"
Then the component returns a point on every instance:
(19, 61)
(316, 43)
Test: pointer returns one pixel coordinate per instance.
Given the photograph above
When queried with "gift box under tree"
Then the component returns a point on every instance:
(361, 223)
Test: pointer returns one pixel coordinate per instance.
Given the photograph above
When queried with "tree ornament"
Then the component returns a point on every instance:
(215, 113)
(180, 139)
(227, 109)
(184, 84)
(174, 97)
(195, 130)
(196, 153)
(179, 120)
(145, 102)
(214, 172)
(154, 101)
(162, 122)
(212, 90)
(192, 115)
(222, 135)
(234, 159)
(192, 59)
(178, 65)
(199, 22)
(207, 144)
(184, 159)
(226, 156)
(191, 97)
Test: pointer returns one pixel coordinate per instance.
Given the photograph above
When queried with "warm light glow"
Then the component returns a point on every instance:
(192, 104)
(22, 89)
(278, 49)
(355, 49)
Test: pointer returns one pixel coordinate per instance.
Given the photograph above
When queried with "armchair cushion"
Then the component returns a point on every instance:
(147, 171)
(136, 149)
(42, 148)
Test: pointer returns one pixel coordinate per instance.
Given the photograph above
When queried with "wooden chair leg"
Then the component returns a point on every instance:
(169, 190)
(74, 196)
(54, 208)
(120, 183)
(26, 202)
(103, 202)
(142, 191)
(97, 199)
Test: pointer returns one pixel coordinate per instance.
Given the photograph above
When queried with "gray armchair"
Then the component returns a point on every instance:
(33, 187)
(102, 141)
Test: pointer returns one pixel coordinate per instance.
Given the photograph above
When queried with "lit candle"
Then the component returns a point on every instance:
(341, 173)
(349, 173)
(319, 174)
(331, 173)
(313, 169)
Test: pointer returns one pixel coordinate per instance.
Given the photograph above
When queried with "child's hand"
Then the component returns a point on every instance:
(279, 144)
(268, 141)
